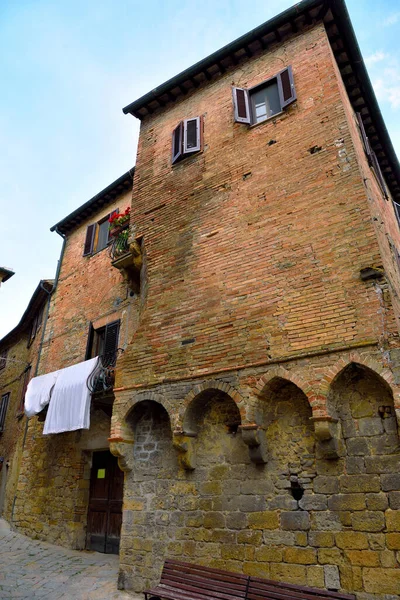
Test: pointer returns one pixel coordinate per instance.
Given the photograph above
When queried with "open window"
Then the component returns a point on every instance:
(103, 342)
(265, 100)
(36, 325)
(186, 139)
(3, 359)
(98, 235)
(25, 381)
(372, 158)
(3, 410)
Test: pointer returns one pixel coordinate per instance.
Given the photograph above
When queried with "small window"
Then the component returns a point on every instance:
(3, 359)
(372, 158)
(265, 100)
(98, 235)
(103, 342)
(3, 410)
(26, 378)
(186, 139)
(36, 325)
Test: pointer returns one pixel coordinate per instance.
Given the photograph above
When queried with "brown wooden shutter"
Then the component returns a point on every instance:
(89, 343)
(241, 105)
(27, 376)
(177, 142)
(191, 135)
(114, 212)
(111, 342)
(88, 247)
(3, 410)
(286, 89)
(364, 137)
(378, 173)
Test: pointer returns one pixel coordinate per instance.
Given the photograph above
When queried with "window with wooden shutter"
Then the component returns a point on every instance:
(186, 138)
(3, 410)
(89, 241)
(241, 105)
(264, 100)
(111, 342)
(287, 92)
(372, 158)
(3, 359)
(26, 378)
(191, 135)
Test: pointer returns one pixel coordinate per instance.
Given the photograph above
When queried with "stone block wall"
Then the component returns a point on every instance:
(298, 517)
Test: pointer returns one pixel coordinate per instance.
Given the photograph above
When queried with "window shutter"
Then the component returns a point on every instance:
(378, 173)
(89, 344)
(364, 137)
(287, 92)
(177, 141)
(241, 105)
(191, 135)
(114, 212)
(3, 409)
(397, 212)
(88, 247)
(111, 341)
(27, 376)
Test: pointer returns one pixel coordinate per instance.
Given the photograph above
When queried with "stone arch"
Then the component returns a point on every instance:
(317, 401)
(206, 387)
(283, 410)
(366, 361)
(362, 401)
(137, 399)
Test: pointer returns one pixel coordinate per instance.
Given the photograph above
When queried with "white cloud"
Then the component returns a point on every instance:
(375, 58)
(391, 20)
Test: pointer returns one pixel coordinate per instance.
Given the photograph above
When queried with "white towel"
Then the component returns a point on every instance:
(69, 407)
(38, 393)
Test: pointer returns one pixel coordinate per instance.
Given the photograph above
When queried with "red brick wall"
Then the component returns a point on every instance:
(254, 250)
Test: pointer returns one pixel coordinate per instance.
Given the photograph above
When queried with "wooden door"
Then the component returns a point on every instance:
(105, 504)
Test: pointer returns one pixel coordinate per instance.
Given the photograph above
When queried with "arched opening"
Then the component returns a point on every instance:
(215, 419)
(152, 438)
(363, 403)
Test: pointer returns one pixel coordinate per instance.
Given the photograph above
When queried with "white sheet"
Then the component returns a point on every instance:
(69, 407)
(38, 393)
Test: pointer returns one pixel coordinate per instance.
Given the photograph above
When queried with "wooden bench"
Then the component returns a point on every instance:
(184, 581)
(267, 589)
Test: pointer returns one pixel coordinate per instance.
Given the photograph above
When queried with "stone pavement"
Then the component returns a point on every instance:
(30, 569)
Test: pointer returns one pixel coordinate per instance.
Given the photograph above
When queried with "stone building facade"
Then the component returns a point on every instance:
(255, 407)
(54, 478)
(19, 358)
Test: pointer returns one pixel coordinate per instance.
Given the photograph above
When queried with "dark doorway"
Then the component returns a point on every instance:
(105, 504)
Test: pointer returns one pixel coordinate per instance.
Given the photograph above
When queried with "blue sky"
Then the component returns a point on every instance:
(68, 67)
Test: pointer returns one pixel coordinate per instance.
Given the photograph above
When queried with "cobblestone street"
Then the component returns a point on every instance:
(33, 569)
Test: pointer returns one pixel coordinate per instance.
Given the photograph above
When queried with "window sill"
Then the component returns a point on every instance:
(279, 114)
(187, 159)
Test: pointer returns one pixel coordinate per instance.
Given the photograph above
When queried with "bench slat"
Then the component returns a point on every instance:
(258, 583)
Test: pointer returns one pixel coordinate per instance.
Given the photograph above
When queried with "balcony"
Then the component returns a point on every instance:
(101, 381)
(126, 256)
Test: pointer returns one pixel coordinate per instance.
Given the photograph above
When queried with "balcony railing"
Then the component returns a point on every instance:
(120, 245)
(102, 378)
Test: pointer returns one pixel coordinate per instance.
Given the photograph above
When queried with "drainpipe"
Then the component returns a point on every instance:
(49, 295)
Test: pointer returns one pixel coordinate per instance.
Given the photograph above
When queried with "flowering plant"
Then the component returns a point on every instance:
(118, 219)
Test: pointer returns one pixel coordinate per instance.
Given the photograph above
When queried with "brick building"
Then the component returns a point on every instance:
(19, 358)
(91, 314)
(255, 403)
(255, 407)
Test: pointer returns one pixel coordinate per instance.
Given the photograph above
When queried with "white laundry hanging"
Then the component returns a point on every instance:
(38, 393)
(69, 407)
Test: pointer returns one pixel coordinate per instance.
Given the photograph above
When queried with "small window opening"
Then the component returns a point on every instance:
(296, 490)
